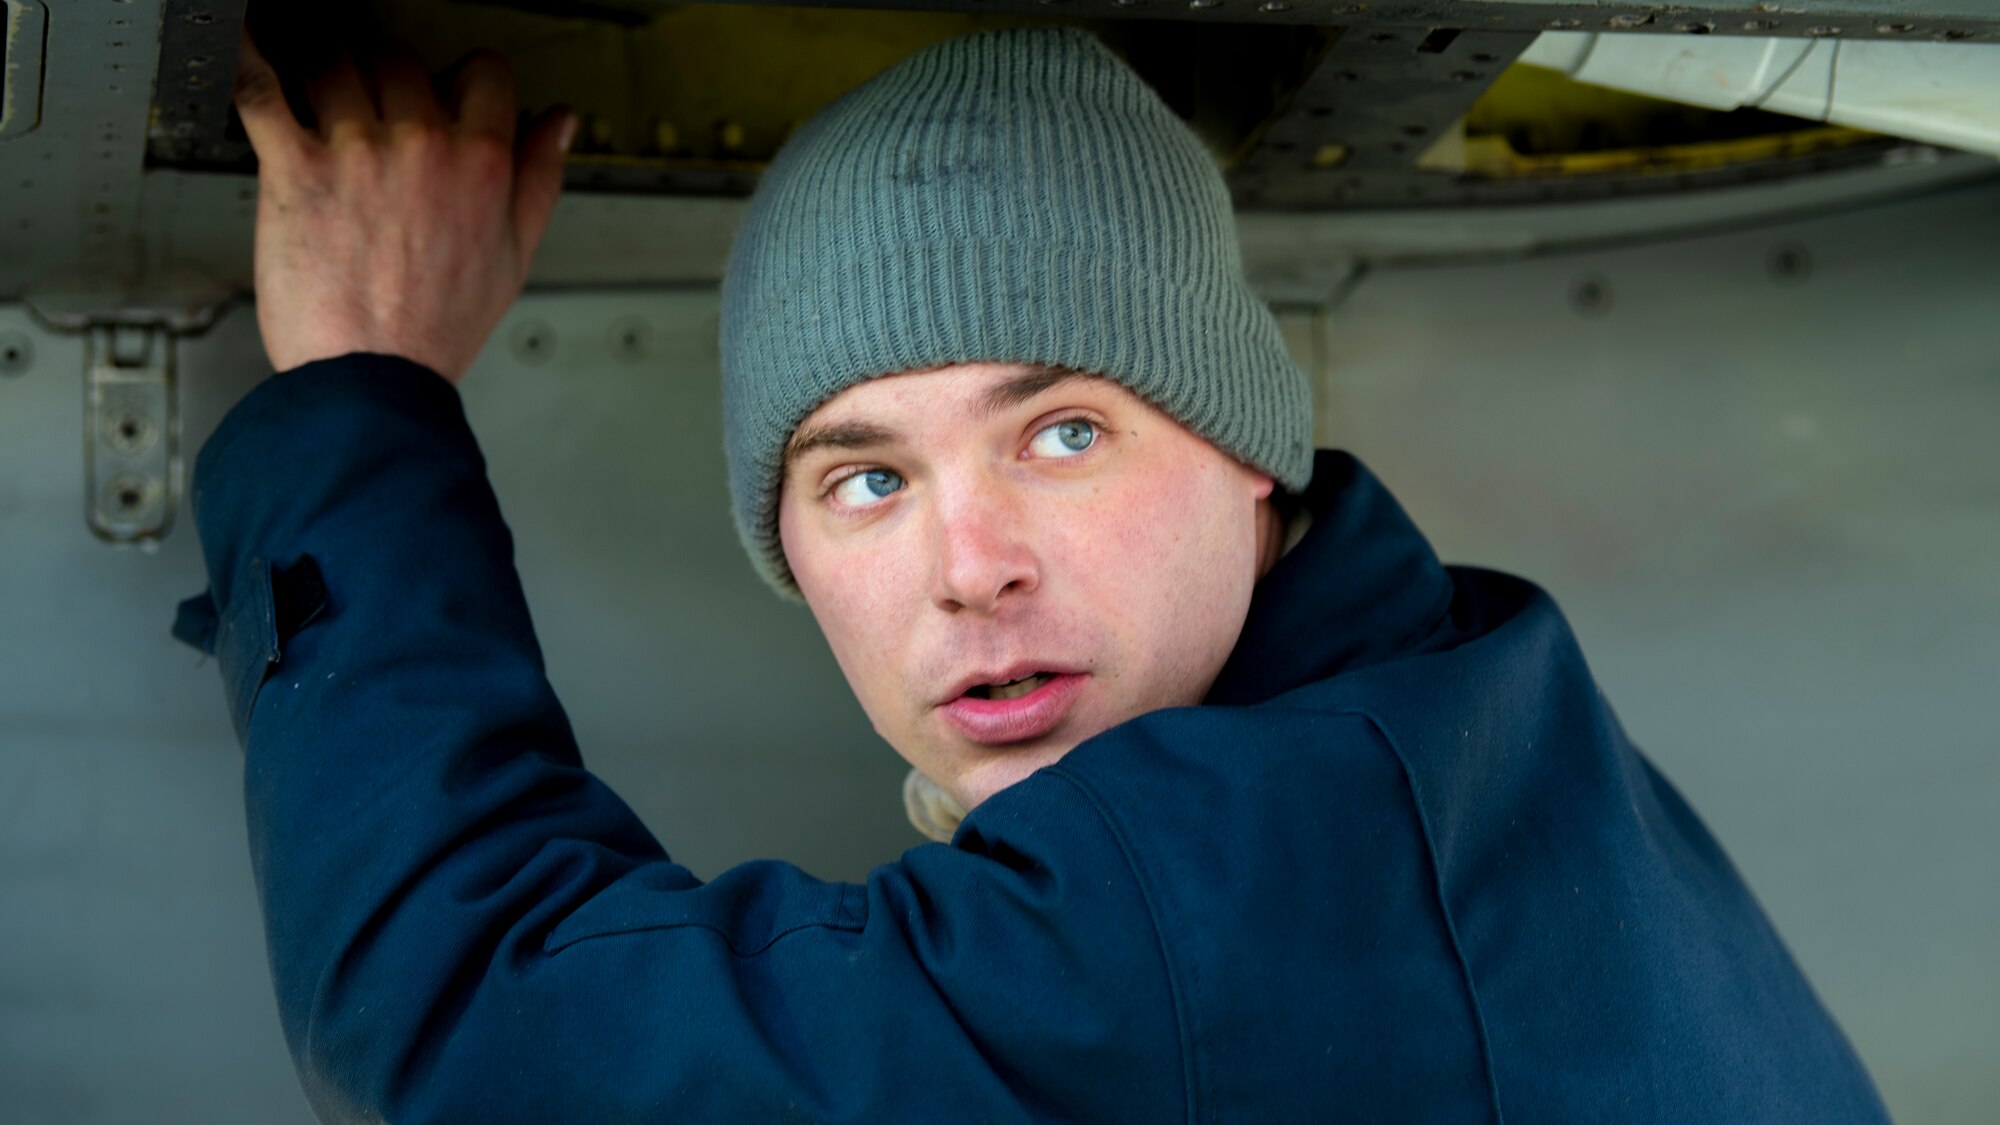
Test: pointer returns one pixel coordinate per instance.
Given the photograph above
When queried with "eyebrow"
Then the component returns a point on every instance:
(1025, 386)
(866, 435)
(836, 435)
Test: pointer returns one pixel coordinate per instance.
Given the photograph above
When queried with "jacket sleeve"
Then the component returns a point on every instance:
(465, 925)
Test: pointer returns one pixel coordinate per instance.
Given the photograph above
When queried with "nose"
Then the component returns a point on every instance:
(983, 552)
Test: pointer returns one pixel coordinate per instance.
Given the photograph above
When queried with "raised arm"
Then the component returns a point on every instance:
(465, 925)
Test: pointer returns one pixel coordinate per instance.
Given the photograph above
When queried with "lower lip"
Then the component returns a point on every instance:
(997, 721)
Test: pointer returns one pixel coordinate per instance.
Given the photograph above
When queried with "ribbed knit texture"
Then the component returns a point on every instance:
(1010, 196)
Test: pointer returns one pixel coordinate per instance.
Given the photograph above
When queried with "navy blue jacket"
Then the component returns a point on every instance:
(1403, 866)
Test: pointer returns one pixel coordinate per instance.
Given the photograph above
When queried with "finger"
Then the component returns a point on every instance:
(482, 95)
(260, 101)
(341, 99)
(538, 178)
(405, 90)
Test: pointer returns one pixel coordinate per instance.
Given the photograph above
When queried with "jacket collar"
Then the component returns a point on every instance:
(1362, 587)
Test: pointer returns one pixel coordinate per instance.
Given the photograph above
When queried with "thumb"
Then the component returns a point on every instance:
(538, 177)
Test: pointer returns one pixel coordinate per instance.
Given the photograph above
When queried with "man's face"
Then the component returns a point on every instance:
(957, 528)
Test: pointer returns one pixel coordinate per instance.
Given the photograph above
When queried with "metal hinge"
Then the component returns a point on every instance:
(131, 437)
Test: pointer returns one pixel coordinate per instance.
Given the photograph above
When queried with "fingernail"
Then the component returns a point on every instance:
(568, 133)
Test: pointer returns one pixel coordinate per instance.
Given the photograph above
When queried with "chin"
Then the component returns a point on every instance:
(995, 769)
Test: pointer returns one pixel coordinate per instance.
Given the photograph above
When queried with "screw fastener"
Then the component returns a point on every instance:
(1591, 295)
(17, 353)
(532, 341)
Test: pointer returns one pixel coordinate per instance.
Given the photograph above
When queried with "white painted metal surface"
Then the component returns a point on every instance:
(1943, 93)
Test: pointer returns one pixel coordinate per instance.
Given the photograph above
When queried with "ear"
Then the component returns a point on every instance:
(1270, 523)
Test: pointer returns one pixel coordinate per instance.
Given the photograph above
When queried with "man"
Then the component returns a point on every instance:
(1267, 814)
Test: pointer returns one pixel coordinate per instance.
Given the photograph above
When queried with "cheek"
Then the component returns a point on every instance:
(1185, 529)
(1171, 567)
(852, 587)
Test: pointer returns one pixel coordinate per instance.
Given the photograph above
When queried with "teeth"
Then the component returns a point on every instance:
(1019, 687)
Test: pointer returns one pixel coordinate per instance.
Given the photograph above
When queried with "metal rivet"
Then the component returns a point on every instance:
(1822, 31)
(130, 495)
(1894, 28)
(17, 353)
(1760, 25)
(1694, 28)
(129, 432)
(1790, 264)
(631, 338)
(1563, 24)
(1274, 6)
(1630, 21)
(202, 19)
(532, 341)
(1591, 295)
(1204, 5)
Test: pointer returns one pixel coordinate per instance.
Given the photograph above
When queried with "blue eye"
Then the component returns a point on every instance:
(865, 488)
(1064, 439)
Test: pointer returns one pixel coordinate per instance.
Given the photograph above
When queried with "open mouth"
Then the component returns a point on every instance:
(1012, 689)
(1014, 710)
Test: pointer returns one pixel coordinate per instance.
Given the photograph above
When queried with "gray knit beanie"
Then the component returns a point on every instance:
(1011, 196)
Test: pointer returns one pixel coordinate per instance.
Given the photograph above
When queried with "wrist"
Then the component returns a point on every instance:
(289, 351)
